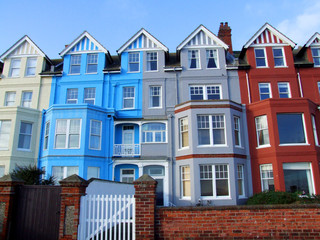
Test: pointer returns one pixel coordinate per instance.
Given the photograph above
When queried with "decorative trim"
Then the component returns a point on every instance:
(207, 106)
(223, 155)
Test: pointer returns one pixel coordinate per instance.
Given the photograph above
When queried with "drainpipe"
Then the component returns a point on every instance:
(300, 86)
(40, 138)
(248, 86)
(177, 88)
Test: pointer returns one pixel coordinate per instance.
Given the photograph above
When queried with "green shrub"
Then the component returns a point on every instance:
(271, 197)
(31, 175)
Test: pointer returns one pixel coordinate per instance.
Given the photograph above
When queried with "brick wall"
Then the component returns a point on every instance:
(240, 222)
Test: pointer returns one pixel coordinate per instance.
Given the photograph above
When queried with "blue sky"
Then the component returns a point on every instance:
(53, 24)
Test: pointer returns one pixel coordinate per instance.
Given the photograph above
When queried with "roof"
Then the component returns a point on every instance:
(207, 39)
(33, 49)
(269, 35)
(142, 43)
(84, 42)
(115, 66)
(57, 67)
(314, 40)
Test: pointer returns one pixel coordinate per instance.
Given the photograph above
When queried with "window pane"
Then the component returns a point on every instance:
(152, 61)
(213, 92)
(92, 63)
(194, 59)
(25, 135)
(4, 134)
(134, 62)
(196, 93)
(93, 172)
(291, 129)
(260, 57)
(262, 130)
(75, 63)
(211, 58)
(15, 68)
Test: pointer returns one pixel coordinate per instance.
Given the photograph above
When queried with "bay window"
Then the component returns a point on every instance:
(5, 126)
(24, 141)
(184, 134)
(266, 174)
(262, 131)
(153, 133)
(61, 172)
(211, 130)
(95, 135)
(185, 182)
(291, 128)
(67, 133)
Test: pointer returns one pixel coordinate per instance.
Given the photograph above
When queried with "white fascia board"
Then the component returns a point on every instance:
(78, 39)
(310, 41)
(195, 32)
(136, 36)
(274, 31)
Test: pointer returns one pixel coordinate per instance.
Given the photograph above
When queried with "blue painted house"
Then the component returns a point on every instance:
(77, 128)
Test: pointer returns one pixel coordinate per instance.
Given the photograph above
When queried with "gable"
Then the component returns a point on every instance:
(267, 35)
(142, 40)
(84, 43)
(24, 47)
(202, 39)
(314, 40)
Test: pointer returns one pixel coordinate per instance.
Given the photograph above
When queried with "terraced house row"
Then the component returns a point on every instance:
(212, 126)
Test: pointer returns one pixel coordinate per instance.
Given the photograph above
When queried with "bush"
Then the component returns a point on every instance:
(31, 175)
(273, 198)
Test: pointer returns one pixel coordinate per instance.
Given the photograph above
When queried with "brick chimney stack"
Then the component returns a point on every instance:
(225, 35)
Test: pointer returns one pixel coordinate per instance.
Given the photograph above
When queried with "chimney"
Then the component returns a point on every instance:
(66, 46)
(225, 35)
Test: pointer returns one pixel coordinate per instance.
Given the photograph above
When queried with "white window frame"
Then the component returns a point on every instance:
(94, 134)
(261, 93)
(275, 57)
(67, 133)
(64, 172)
(46, 135)
(195, 56)
(133, 58)
(153, 132)
(314, 128)
(76, 57)
(152, 57)
(264, 57)
(214, 180)
(240, 176)
(128, 98)
(258, 129)
(122, 175)
(204, 89)
(319, 88)
(94, 57)
(5, 134)
(215, 57)
(93, 168)
(211, 128)
(31, 67)
(316, 57)
(152, 95)
(2, 170)
(14, 69)
(288, 89)
(183, 128)
(237, 130)
(26, 102)
(268, 170)
(184, 179)
(8, 102)
(72, 100)
(86, 98)
(25, 135)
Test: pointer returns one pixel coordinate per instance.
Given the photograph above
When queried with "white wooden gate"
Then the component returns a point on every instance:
(107, 217)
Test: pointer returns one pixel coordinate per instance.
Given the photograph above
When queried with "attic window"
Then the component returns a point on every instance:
(316, 56)
(260, 57)
(194, 60)
(212, 58)
(75, 64)
(92, 63)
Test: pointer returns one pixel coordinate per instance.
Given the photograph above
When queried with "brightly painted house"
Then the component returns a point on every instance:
(77, 130)
(212, 163)
(23, 95)
(141, 138)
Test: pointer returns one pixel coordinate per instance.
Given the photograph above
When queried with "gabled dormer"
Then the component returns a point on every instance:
(312, 50)
(85, 55)
(267, 48)
(202, 50)
(24, 59)
(142, 53)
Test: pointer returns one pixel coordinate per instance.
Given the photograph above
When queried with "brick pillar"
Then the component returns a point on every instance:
(145, 195)
(72, 188)
(8, 186)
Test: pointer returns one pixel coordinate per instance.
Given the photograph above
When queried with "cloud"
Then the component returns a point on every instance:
(300, 28)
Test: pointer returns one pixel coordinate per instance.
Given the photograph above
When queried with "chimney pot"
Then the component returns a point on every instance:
(225, 35)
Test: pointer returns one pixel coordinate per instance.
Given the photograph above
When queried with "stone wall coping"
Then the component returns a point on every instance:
(145, 178)
(239, 207)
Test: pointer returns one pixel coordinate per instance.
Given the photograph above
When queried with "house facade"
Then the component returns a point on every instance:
(212, 163)
(77, 127)
(23, 95)
(282, 114)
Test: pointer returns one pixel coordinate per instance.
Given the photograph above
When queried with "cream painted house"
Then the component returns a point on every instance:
(24, 93)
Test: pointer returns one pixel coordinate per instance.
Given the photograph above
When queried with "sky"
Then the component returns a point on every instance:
(54, 24)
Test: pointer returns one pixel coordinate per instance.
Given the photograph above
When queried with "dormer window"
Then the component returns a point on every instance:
(212, 58)
(194, 60)
(316, 56)
(92, 63)
(75, 63)
(152, 61)
(278, 57)
(134, 62)
(260, 57)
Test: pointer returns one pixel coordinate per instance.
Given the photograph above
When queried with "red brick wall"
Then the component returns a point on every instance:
(243, 222)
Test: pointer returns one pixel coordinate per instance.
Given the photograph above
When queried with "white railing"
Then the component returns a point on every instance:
(107, 217)
(126, 150)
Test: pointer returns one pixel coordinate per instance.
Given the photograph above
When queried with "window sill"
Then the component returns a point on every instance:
(4, 149)
(183, 148)
(150, 71)
(155, 108)
(92, 73)
(194, 68)
(128, 109)
(213, 68)
(280, 66)
(185, 198)
(24, 150)
(293, 144)
(242, 197)
(66, 148)
(240, 147)
(263, 146)
(214, 146)
(216, 198)
(134, 72)
(95, 149)
(30, 76)
(262, 67)
(74, 74)
(154, 142)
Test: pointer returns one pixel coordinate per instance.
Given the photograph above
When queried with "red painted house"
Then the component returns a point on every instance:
(282, 113)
